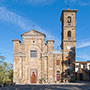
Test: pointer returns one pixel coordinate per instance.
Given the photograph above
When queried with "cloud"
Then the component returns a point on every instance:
(83, 56)
(14, 18)
(39, 2)
(83, 43)
(71, 1)
(30, 2)
(85, 4)
(36, 2)
(24, 24)
(78, 2)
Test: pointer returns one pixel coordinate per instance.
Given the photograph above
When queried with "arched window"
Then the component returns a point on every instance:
(69, 35)
(69, 19)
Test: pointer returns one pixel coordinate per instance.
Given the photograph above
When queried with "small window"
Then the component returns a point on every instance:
(69, 62)
(58, 72)
(33, 53)
(58, 62)
(84, 65)
(89, 67)
(69, 19)
(69, 35)
(33, 41)
(68, 72)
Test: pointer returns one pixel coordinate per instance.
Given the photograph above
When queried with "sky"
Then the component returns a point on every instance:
(19, 16)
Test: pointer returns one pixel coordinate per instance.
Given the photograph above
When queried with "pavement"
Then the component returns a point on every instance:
(61, 86)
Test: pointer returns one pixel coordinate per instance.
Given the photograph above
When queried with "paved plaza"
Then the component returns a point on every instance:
(62, 86)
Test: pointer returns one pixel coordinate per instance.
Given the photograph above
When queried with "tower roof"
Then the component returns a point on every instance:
(67, 10)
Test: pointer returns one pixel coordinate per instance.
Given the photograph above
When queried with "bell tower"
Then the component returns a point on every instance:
(68, 43)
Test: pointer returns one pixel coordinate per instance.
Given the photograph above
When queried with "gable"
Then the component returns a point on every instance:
(33, 33)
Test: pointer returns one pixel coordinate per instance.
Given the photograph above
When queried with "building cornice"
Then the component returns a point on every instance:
(69, 41)
(67, 10)
(20, 54)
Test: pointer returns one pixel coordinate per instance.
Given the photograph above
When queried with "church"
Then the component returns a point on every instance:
(35, 62)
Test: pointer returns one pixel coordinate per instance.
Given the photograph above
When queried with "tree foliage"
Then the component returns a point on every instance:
(6, 71)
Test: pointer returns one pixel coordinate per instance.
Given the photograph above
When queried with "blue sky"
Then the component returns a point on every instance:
(18, 16)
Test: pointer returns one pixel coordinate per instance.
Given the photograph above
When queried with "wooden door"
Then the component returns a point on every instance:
(33, 76)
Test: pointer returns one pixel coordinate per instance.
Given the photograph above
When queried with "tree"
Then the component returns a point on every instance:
(6, 71)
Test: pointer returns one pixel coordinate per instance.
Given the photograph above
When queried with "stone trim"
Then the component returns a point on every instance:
(16, 40)
(82, 62)
(19, 54)
(27, 36)
(69, 41)
(50, 41)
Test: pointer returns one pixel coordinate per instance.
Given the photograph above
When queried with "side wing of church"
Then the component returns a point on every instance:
(35, 61)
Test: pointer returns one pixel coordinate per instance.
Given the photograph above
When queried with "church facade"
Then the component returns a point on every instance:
(36, 62)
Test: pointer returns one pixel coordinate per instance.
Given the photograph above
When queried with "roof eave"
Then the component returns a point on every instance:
(67, 10)
(35, 31)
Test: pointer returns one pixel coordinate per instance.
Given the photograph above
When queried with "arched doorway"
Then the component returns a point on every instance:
(58, 75)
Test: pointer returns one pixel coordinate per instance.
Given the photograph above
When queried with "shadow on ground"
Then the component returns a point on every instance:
(70, 86)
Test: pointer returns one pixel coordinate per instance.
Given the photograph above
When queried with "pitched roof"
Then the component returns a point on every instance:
(30, 32)
(82, 62)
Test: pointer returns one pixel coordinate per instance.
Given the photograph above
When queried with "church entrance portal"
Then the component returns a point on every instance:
(33, 76)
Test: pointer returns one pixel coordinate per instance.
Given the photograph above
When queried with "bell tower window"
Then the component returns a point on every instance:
(69, 19)
(69, 35)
